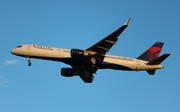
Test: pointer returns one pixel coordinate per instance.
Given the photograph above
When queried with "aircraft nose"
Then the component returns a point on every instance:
(13, 51)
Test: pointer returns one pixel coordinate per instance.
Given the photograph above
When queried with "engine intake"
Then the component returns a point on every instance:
(68, 72)
(78, 53)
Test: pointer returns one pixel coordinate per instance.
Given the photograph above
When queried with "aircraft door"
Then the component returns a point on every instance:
(137, 64)
(59, 51)
(28, 47)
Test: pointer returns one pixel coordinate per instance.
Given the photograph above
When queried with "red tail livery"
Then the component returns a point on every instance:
(152, 53)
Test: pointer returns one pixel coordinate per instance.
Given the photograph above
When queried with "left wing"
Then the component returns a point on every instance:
(105, 44)
(97, 52)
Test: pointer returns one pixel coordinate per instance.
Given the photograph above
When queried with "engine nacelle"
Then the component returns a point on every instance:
(78, 53)
(68, 72)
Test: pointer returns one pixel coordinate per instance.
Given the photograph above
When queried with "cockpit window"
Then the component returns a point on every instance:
(18, 46)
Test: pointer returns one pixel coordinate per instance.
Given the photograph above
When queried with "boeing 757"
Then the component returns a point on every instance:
(85, 63)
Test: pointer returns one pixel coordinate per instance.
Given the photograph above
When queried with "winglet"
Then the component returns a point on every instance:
(127, 21)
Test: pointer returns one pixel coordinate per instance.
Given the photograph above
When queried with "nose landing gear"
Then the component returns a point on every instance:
(29, 61)
(29, 64)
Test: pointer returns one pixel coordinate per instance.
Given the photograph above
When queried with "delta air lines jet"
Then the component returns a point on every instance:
(86, 62)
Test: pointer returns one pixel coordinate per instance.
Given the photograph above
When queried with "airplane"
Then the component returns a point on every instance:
(85, 63)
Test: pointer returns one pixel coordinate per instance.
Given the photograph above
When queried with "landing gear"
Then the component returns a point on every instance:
(29, 61)
(29, 64)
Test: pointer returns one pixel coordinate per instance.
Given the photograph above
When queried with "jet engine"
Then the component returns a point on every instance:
(78, 53)
(68, 72)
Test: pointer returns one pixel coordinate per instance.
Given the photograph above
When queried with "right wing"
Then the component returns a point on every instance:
(87, 78)
(85, 73)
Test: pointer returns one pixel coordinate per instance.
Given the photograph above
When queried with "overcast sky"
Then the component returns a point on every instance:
(80, 24)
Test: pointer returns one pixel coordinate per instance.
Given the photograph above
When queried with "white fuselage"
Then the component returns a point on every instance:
(51, 53)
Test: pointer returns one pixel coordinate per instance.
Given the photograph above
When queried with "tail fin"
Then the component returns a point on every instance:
(152, 53)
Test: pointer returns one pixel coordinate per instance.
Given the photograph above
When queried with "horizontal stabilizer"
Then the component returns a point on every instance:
(158, 60)
(151, 72)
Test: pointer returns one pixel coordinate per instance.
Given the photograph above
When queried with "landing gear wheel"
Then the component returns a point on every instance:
(29, 64)
(29, 61)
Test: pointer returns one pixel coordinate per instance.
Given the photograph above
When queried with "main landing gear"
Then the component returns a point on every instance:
(29, 61)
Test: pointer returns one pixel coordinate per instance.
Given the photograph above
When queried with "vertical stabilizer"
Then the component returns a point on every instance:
(152, 53)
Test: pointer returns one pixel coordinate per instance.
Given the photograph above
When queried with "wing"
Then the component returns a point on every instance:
(105, 44)
(97, 52)
(85, 73)
(87, 78)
